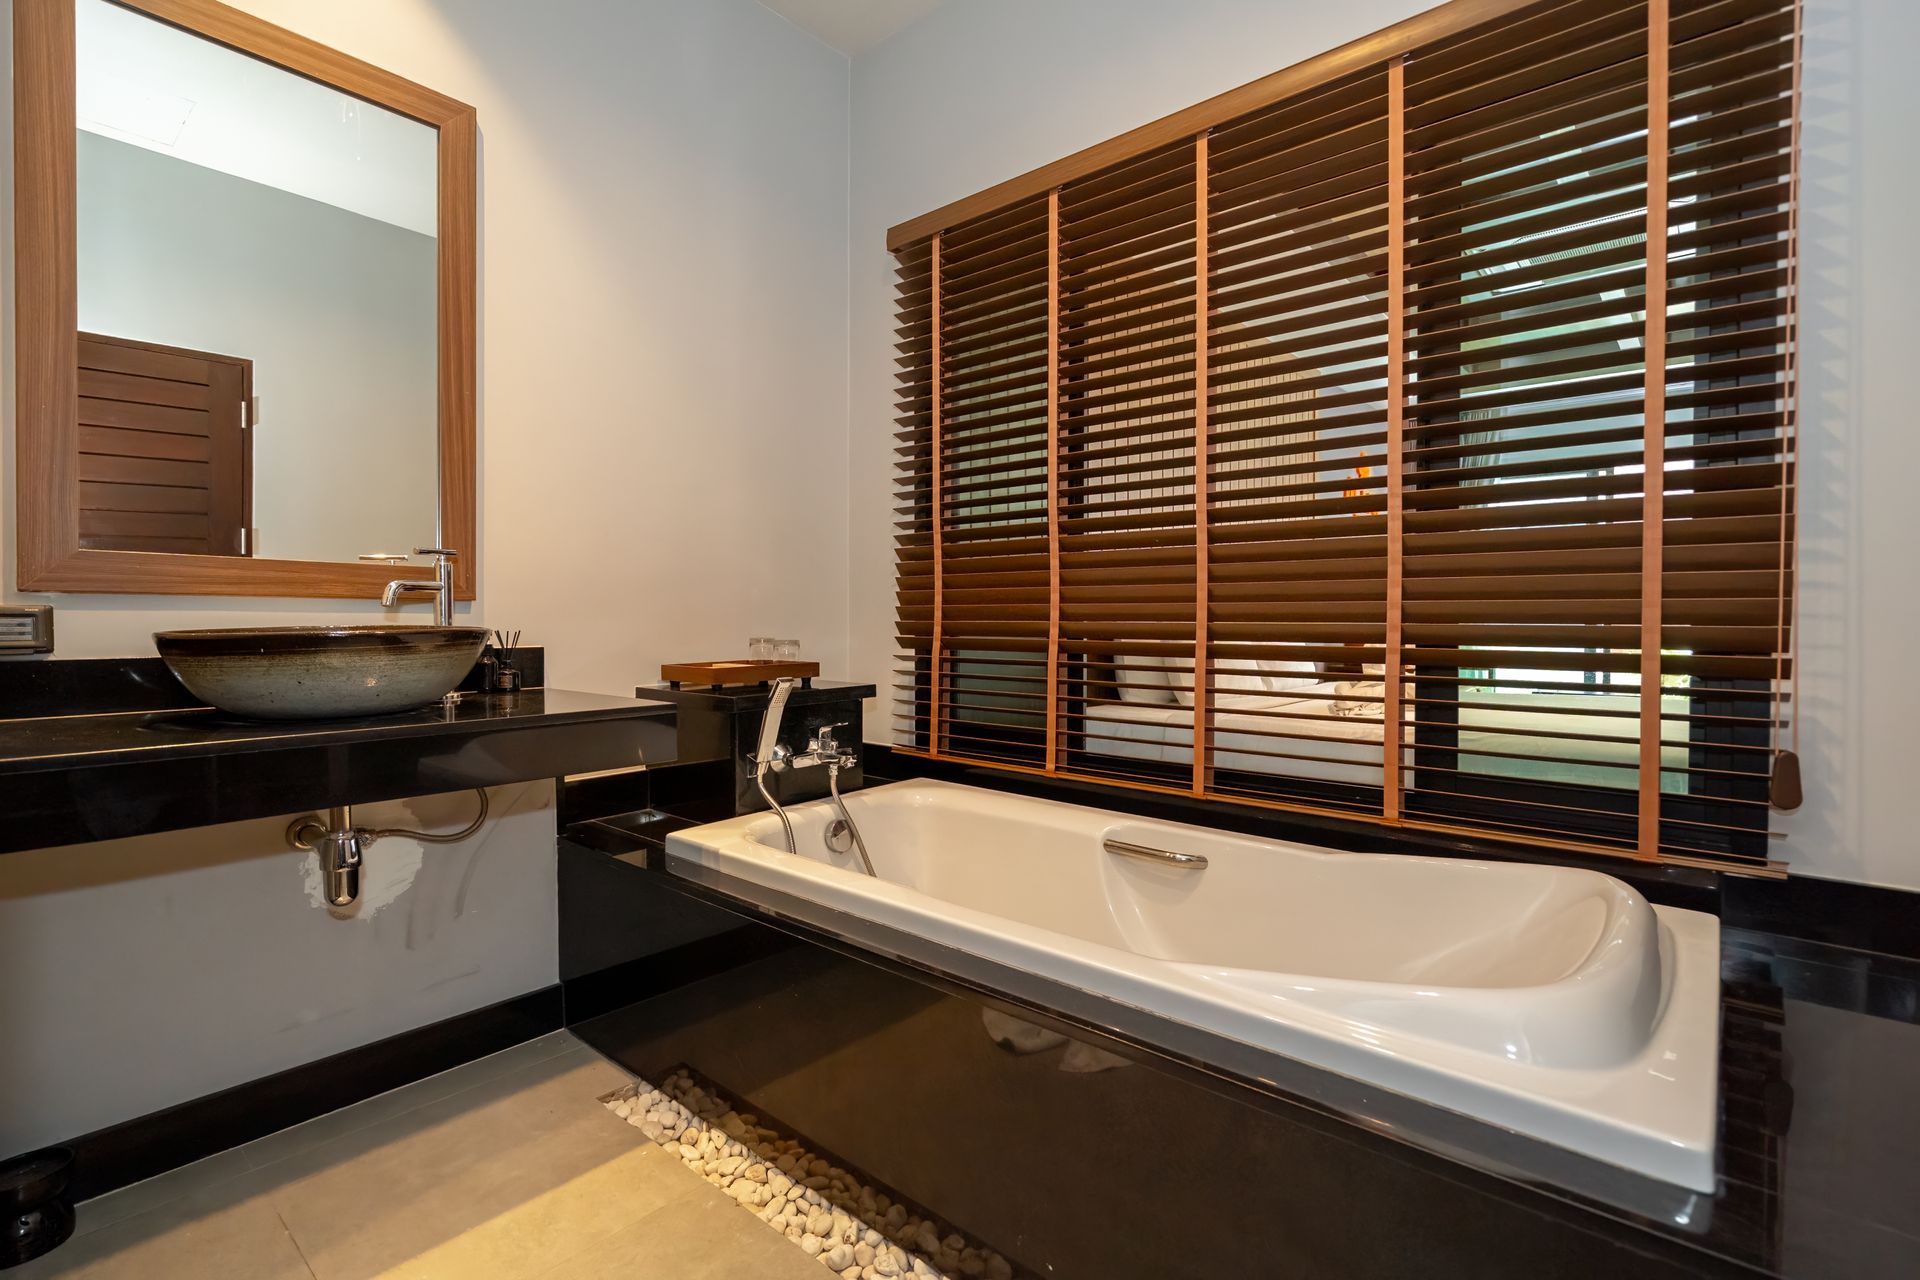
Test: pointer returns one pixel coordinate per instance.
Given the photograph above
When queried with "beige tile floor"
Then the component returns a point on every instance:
(503, 1169)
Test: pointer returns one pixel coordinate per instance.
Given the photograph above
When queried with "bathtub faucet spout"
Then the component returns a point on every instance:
(841, 833)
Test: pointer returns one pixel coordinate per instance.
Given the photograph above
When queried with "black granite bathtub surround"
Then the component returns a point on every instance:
(1168, 1042)
(622, 941)
(866, 1040)
(1862, 916)
(871, 1043)
(701, 787)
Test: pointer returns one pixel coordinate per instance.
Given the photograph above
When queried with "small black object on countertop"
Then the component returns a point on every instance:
(98, 772)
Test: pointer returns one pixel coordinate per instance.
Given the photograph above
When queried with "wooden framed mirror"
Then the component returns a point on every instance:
(244, 307)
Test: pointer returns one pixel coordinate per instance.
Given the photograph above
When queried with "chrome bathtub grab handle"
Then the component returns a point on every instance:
(1193, 861)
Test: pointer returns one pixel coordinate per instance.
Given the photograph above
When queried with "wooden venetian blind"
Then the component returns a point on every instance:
(1295, 450)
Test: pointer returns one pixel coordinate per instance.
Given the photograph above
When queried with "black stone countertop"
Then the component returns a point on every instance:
(74, 779)
(739, 697)
(1819, 1150)
(66, 742)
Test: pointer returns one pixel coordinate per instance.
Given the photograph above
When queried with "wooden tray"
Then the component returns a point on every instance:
(736, 671)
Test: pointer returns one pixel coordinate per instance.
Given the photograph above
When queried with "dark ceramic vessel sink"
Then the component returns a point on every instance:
(313, 673)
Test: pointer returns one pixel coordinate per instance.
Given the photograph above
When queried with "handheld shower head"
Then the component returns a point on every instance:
(763, 758)
(770, 726)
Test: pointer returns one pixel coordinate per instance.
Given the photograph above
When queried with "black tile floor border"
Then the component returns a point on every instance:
(122, 1154)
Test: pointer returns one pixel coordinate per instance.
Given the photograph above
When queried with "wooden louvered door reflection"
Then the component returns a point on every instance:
(164, 459)
(1300, 450)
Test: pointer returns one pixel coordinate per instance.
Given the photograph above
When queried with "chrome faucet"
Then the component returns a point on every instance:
(842, 834)
(822, 749)
(441, 586)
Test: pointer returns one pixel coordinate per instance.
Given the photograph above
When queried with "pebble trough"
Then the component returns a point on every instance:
(856, 1231)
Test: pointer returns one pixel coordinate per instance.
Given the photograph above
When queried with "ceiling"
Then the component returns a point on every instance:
(156, 86)
(853, 26)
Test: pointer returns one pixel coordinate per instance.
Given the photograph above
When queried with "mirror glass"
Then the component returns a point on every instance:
(257, 304)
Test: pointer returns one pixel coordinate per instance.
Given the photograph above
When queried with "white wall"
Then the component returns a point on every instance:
(663, 219)
(666, 463)
(984, 90)
(663, 306)
(335, 309)
(159, 86)
(1859, 524)
(145, 972)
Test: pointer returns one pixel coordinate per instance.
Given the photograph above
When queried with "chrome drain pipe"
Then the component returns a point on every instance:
(342, 846)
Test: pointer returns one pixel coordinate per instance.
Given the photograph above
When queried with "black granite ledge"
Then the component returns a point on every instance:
(1820, 1137)
(735, 697)
(116, 738)
(705, 786)
(1862, 917)
(68, 780)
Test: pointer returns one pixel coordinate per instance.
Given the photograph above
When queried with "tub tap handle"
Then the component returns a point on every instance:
(774, 761)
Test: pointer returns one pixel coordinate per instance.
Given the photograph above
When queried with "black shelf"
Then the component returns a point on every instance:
(70, 779)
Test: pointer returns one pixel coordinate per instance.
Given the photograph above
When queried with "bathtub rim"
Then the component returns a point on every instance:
(755, 825)
(1418, 1130)
(1689, 1018)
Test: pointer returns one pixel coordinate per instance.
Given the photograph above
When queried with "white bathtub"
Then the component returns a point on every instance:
(1550, 1001)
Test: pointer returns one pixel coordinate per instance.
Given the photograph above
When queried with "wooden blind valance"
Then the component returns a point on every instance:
(1294, 450)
